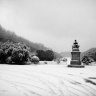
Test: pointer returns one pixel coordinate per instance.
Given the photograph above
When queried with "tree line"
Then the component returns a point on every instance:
(47, 55)
(19, 53)
(6, 35)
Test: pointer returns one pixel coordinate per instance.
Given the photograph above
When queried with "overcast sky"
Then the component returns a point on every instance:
(54, 23)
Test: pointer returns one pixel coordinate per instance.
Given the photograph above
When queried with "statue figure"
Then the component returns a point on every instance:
(75, 45)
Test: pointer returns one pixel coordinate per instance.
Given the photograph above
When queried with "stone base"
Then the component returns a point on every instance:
(75, 62)
(76, 66)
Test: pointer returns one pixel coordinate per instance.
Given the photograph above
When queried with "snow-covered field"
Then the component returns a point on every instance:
(47, 80)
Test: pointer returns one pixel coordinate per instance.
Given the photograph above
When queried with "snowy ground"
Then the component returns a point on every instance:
(47, 80)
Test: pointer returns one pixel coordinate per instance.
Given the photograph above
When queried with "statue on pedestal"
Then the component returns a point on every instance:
(75, 56)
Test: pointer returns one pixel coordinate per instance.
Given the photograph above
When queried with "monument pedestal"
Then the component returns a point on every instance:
(75, 62)
(76, 66)
(75, 56)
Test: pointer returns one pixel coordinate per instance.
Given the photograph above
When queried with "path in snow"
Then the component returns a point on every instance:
(47, 80)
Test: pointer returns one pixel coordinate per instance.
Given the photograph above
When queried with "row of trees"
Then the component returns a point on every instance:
(19, 53)
(47, 55)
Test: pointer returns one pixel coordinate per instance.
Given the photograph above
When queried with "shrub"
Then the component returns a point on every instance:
(91, 55)
(20, 56)
(9, 60)
(35, 59)
(87, 60)
(45, 62)
(17, 53)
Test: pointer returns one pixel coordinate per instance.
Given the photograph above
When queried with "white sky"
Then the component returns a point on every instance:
(54, 23)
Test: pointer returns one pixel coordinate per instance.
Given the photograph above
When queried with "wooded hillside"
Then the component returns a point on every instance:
(6, 35)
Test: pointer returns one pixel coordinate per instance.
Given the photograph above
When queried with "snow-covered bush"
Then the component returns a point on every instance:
(9, 60)
(17, 53)
(86, 60)
(45, 62)
(35, 59)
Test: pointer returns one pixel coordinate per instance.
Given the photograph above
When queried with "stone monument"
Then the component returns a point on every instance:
(75, 56)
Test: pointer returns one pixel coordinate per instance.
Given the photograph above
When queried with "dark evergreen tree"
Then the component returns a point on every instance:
(49, 55)
(41, 55)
